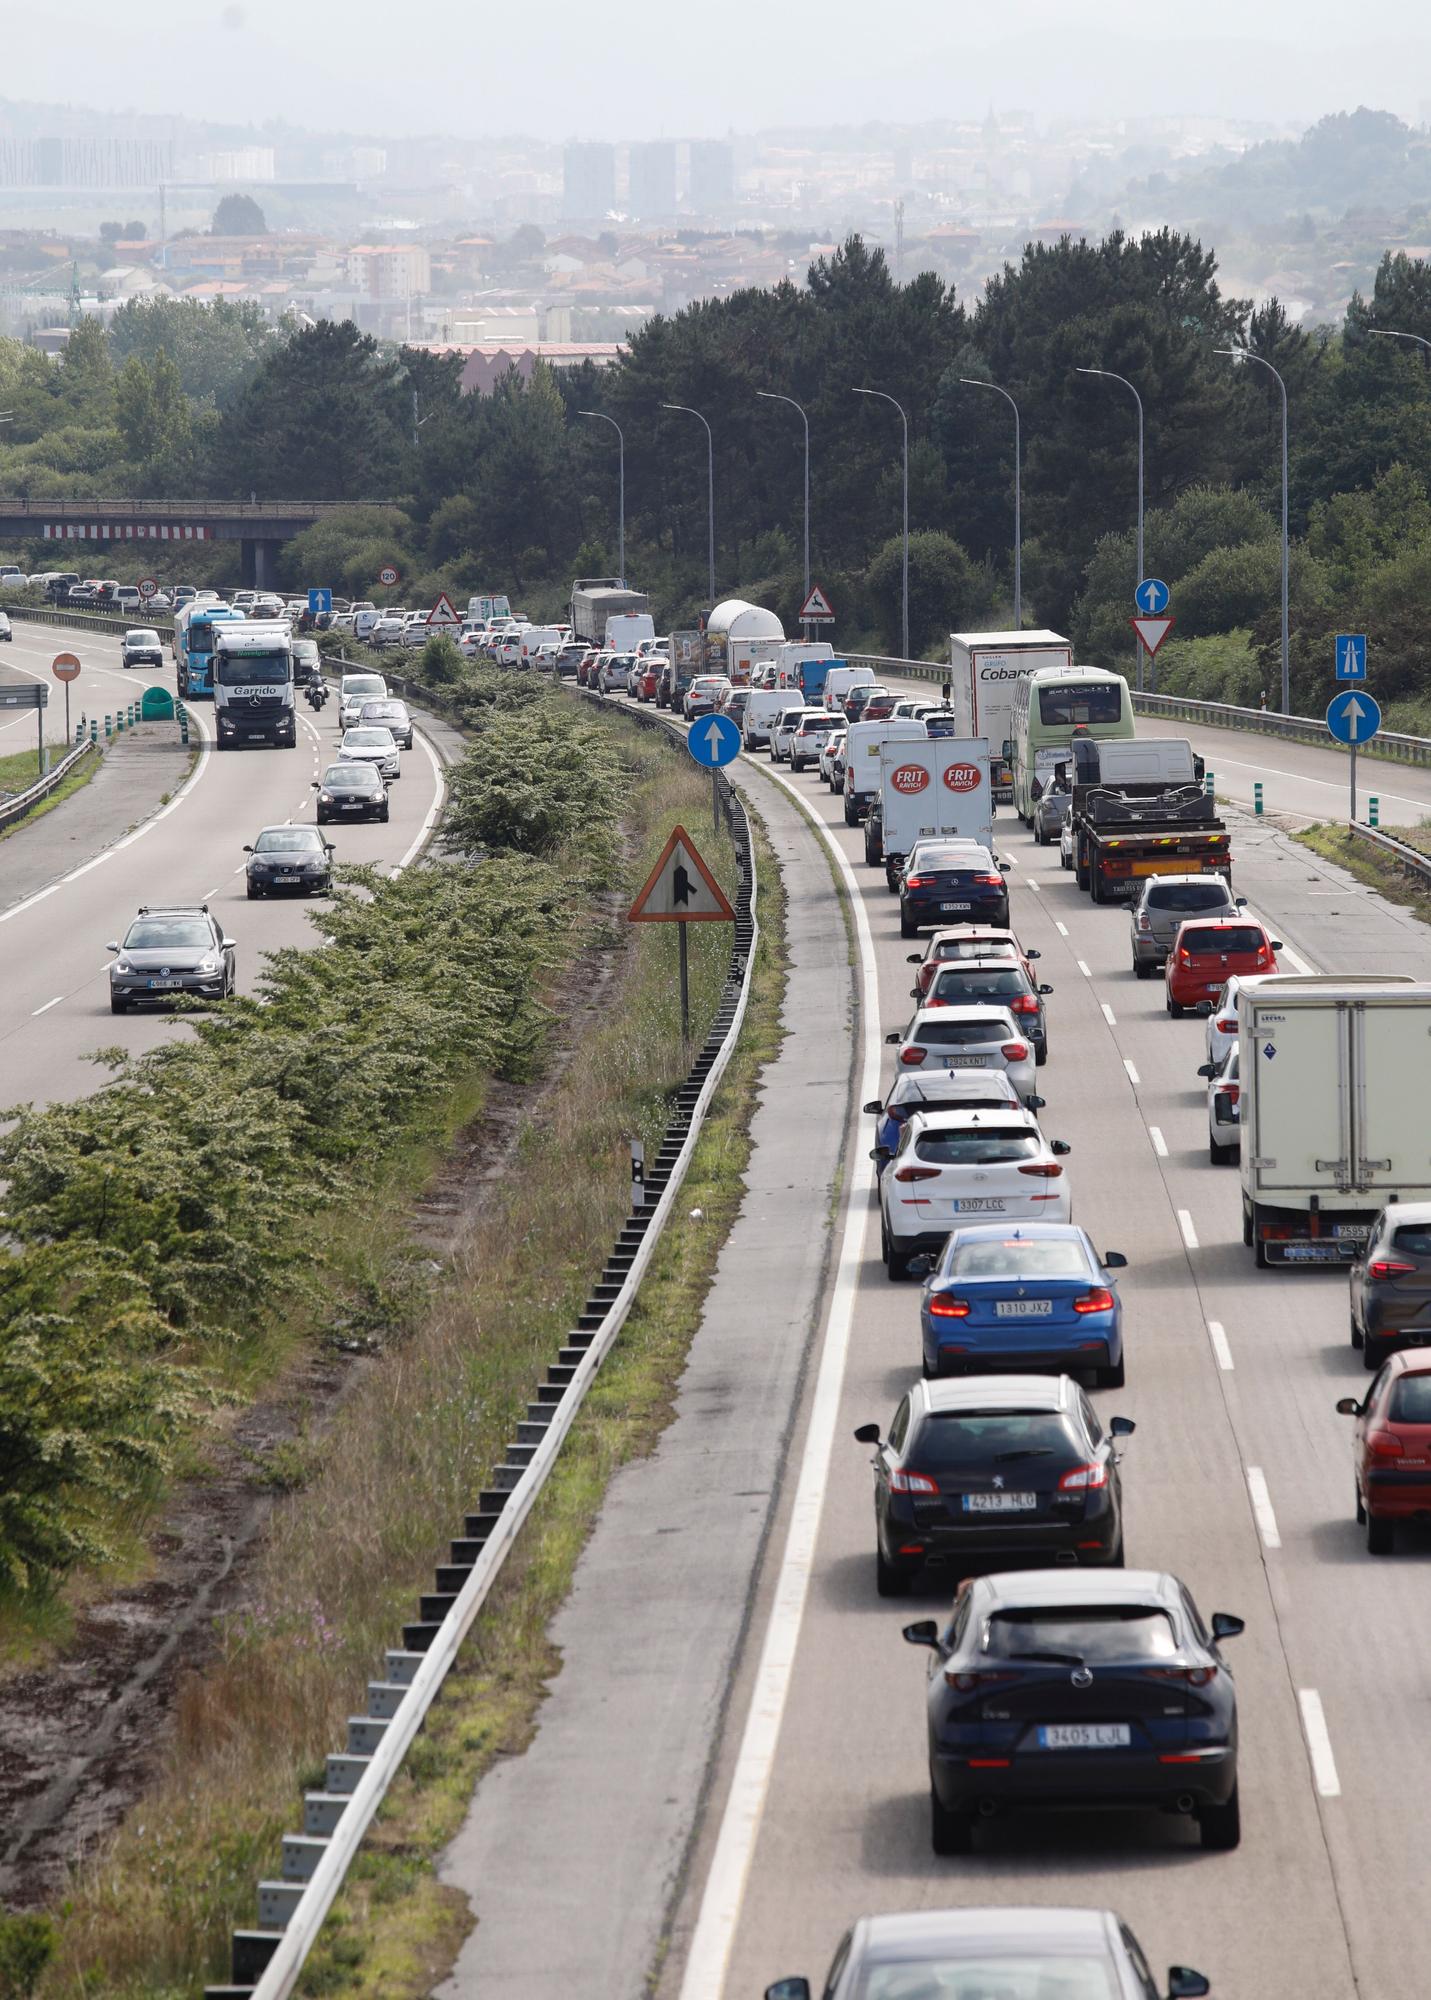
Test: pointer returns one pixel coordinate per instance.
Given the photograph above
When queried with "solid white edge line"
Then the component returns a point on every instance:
(1319, 1744)
(724, 1891)
(1262, 1507)
(1160, 1144)
(1109, 1016)
(1133, 1076)
(1217, 1334)
(438, 797)
(1185, 1223)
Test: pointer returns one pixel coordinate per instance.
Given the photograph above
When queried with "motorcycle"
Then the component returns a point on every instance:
(316, 694)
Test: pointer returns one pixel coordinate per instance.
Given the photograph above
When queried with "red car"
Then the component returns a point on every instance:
(584, 666)
(1391, 1452)
(1205, 954)
(643, 679)
(978, 941)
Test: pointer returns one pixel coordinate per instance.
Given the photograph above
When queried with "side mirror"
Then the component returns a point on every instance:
(1241, 902)
(874, 1107)
(1045, 990)
(880, 1153)
(329, 847)
(314, 786)
(1276, 944)
(920, 1266)
(1061, 1147)
(924, 1632)
(1035, 1103)
(1206, 1069)
(1002, 864)
(1183, 1984)
(1121, 1427)
(112, 946)
(1348, 1407)
(897, 1036)
(1114, 1260)
(867, 1434)
(1033, 954)
(1204, 1007)
(799, 1989)
(230, 944)
(1225, 1626)
(247, 849)
(1035, 789)
(915, 958)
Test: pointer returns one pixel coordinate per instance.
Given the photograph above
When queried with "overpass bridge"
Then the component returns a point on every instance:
(262, 526)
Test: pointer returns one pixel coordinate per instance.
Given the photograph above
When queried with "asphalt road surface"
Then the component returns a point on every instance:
(54, 984)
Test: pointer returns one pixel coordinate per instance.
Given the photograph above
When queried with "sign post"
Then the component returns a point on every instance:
(65, 667)
(29, 694)
(1353, 718)
(681, 890)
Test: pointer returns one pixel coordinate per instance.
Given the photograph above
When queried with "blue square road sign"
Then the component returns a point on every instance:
(1351, 656)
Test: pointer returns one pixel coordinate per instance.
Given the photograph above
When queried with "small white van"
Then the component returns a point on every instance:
(761, 710)
(840, 680)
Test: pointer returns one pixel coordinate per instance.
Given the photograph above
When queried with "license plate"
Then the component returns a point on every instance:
(1084, 1736)
(983, 1204)
(956, 906)
(1022, 1308)
(285, 881)
(1000, 1503)
(354, 807)
(964, 1062)
(1312, 1253)
(163, 985)
(1354, 1232)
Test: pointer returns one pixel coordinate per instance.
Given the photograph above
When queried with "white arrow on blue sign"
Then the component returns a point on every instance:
(1352, 717)
(319, 602)
(1152, 596)
(1351, 656)
(713, 741)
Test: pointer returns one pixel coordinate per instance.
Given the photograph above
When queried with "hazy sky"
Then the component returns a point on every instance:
(630, 68)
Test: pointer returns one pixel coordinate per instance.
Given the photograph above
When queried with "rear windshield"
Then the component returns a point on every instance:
(1188, 896)
(976, 1149)
(975, 947)
(1237, 937)
(1411, 1400)
(963, 1034)
(1414, 1238)
(1091, 1632)
(812, 725)
(989, 1438)
(1018, 1258)
(972, 859)
(980, 985)
(1080, 702)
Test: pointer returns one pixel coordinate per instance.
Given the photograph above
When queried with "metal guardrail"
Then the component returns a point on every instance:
(104, 622)
(14, 809)
(1396, 850)
(267, 1963)
(1389, 743)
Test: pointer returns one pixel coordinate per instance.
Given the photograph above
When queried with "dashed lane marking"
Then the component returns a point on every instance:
(1217, 1334)
(1262, 1507)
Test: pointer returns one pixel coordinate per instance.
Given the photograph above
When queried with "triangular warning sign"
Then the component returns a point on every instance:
(681, 889)
(1151, 632)
(442, 612)
(817, 608)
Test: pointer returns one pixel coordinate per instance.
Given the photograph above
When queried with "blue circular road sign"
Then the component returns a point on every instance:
(1151, 596)
(1353, 717)
(713, 741)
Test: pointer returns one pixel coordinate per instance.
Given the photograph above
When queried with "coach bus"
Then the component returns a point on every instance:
(1049, 704)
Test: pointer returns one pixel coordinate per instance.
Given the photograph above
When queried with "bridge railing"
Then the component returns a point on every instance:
(108, 622)
(177, 510)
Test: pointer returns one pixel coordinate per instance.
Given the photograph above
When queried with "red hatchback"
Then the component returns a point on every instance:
(1391, 1452)
(1205, 954)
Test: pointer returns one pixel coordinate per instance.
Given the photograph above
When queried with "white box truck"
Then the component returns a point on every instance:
(864, 742)
(985, 668)
(939, 786)
(1334, 1108)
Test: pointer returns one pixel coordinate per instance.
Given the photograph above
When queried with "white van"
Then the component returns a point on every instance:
(863, 744)
(626, 629)
(840, 680)
(764, 706)
(534, 637)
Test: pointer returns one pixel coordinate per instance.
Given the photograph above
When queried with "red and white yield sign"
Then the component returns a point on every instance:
(1151, 632)
(681, 889)
(65, 667)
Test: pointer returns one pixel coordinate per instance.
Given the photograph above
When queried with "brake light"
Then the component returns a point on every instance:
(966, 1683)
(1145, 923)
(919, 881)
(1386, 1267)
(1044, 1170)
(935, 1001)
(1025, 1004)
(913, 1055)
(1084, 1479)
(1231, 1091)
(942, 1306)
(1014, 1051)
(916, 1173)
(1384, 1444)
(1264, 956)
(1226, 1026)
(1099, 1300)
(1197, 1677)
(1185, 957)
(990, 881)
(913, 1482)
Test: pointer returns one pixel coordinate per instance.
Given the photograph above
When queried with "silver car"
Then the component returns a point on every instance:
(1050, 811)
(388, 713)
(169, 950)
(373, 746)
(1167, 902)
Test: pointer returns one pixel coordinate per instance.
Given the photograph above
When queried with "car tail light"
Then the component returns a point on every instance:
(1185, 957)
(1227, 1025)
(1384, 1444)
(1386, 1267)
(990, 881)
(1084, 1479)
(913, 1055)
(1044, 1170)
(919, 881)
(1099, 1300)
(916, 1173)
(1014, 1051)
(942, 1306)
(935, 1001)
(913, 1482)
(1231, 1091)
(967, 1683)
(1145, 923)
(1197, 1677)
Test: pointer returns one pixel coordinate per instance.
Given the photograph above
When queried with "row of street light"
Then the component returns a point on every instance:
(1235, 354)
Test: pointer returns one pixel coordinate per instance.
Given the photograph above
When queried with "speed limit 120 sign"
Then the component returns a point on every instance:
(962, 777)
(388, 575)
(148, 585)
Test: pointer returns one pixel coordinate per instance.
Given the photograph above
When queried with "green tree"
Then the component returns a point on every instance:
(321, 419)
(216, 348)
(239, 215)
(947, 591)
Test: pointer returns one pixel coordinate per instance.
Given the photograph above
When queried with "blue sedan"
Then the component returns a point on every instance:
(1037, 1295)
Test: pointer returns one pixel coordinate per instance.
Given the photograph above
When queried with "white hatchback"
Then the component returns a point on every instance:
(832, 747)
(1224, 1126)
(952, 1167)
(970, 1037)
(1222, 1021)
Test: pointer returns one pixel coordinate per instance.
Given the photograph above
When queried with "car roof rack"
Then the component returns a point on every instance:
(173, 909)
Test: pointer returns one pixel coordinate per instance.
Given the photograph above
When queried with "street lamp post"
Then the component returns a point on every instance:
(904, 593)
(602, 418)
(976, 382)
(685, 410)
(769, 396)
(1389, 333)
(1246, 354)
(1108, 374)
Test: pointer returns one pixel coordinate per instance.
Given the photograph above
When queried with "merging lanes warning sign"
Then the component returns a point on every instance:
(681, 889)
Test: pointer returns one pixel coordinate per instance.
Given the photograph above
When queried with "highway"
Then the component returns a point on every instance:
(54, 987)
(1238, 1480)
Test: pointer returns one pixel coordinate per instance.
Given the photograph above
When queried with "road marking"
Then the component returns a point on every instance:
(724, 1890)
(1109, 1016)
(1062, 929)
(1319, 1744)
(1133, 1076)
(1299, 778)
(1262, 1507)
(1185, 1223)
(1293, 958)
(1033, 885)
(1082, 965)
(210, 892)
(1216, 1333)
(47, 1006)
(1160, 1144)
(438, 797)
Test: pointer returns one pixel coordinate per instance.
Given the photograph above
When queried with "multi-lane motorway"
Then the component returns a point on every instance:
(54, 989)
(1238, 1480)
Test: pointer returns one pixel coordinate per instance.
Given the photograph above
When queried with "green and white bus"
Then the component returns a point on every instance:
(1049, 704)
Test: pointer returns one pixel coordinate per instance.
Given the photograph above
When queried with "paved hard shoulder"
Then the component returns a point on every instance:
(136, 772)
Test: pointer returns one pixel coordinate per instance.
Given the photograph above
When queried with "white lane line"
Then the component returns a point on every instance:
(1109, 1016)
(1293, 958)
(210, 892)
(1319, 1744)
(1299, 778)
(1185, 1223)
(438, 796)
(1062, 929)
(1217, 1334)
(1082, 964)
(47, 1006)
(1262, 1507)
(1160, 1144)
(1033, 885)
(724, 1891)
(1133, 1076)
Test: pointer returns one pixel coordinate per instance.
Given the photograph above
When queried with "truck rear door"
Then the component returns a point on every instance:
(1391, 1096)
(1300, 1135)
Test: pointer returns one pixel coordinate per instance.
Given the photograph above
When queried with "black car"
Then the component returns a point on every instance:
(966, 983)
(859, 698)
(59, 586)
(948, 882)
(289, 857)
(1004, 1466)
(169, 949)
(1053, 1688)
(351, 791)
